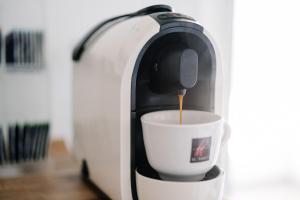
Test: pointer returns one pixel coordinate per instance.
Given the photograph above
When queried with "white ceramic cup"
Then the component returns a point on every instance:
(182, 152)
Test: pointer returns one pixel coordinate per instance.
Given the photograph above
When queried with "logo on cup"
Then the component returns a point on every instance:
(200, 149)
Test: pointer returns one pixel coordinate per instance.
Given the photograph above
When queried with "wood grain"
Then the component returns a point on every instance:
(57, 178)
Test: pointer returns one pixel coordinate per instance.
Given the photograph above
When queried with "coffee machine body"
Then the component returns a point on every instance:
(115, 82)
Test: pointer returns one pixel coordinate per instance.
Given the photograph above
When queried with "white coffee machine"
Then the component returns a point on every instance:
(118, 77)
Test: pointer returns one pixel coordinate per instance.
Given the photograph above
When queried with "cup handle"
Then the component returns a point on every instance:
(226, 133)
(223, 155)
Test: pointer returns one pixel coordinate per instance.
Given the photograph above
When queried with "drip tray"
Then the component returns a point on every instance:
(150, 186)
(151, 173)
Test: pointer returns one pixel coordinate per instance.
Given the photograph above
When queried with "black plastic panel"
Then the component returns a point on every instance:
(171, 17)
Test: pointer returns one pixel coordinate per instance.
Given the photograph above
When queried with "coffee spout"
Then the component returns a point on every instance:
(181, 92)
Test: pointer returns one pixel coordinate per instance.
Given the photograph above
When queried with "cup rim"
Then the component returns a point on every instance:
(155, 123)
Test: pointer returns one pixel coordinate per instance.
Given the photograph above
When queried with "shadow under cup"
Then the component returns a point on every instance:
(182, 152)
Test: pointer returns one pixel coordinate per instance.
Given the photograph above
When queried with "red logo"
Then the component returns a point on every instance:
(200, 149)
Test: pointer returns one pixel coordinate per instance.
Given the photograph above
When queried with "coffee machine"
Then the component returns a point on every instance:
(131, 65)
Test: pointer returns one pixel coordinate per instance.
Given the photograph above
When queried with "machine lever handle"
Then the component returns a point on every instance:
(80, 48)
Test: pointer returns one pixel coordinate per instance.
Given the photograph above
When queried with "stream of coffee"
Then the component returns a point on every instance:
(180, 98)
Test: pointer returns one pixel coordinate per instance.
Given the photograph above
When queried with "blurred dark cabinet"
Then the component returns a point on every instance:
(24, 143)
(0, 46)
(24, 48)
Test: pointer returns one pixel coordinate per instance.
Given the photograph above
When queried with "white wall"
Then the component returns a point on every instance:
(24, 95)
(265, 106)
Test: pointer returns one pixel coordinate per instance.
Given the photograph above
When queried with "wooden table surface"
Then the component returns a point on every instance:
(57, 178)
